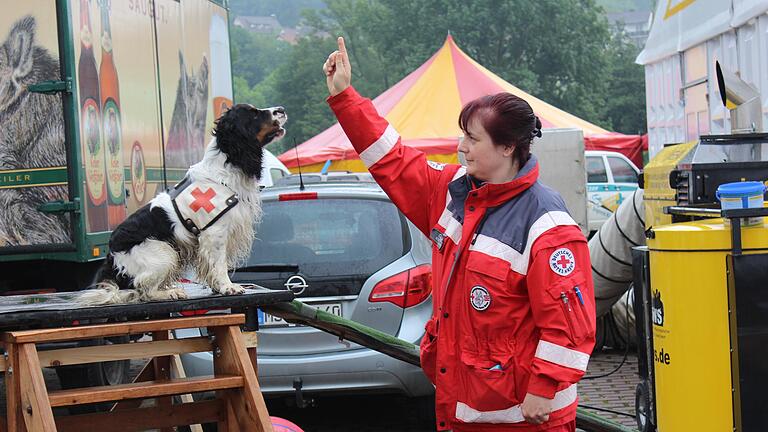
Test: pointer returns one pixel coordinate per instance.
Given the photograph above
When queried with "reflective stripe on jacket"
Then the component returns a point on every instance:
(513, 302)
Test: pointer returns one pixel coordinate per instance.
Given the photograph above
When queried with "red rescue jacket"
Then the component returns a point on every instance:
(514, 309)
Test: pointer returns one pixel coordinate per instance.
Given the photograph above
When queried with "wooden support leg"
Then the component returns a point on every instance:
(37, 412)
(177, 371)
(162, 366)
(231, 357)
(12, 390)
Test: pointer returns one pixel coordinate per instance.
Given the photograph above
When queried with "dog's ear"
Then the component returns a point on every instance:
(236, 138)
(20, 47)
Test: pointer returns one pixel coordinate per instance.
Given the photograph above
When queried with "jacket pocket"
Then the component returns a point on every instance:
(428, 349)
(487, 270)
(573, 306)
(487, 383)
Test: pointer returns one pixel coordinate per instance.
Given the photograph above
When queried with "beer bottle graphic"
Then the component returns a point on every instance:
(90, 130)
(221, 76)
(111, 122)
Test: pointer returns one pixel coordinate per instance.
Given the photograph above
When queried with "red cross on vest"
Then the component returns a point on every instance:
(563, 261)
(203, 200)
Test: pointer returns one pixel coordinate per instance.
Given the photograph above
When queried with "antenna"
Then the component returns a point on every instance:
(301, 179)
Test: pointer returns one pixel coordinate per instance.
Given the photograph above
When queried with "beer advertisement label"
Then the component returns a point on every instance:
(93, 151)
(112, 138)
(138, 172)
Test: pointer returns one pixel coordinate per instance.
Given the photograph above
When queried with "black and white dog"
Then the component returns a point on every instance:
(204, 223)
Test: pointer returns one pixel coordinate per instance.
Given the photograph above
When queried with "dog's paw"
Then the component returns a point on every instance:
(177, 294)
(230, 289)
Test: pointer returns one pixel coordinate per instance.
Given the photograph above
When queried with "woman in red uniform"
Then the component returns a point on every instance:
(513, 321)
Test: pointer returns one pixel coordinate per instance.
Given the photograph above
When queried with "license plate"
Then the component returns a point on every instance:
(267, 320)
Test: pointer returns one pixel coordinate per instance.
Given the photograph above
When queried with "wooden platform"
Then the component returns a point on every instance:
(55, 310)
(238, 406)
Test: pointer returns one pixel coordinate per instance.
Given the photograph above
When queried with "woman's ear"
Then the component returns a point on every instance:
(508, 151)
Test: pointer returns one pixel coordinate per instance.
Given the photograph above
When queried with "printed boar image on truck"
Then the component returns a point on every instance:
(103, 104)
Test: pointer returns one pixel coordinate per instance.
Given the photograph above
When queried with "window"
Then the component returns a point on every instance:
(622, 170)
(596, 170)
(330, 236)
(276, 174)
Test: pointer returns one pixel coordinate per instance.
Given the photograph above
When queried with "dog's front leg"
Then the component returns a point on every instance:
(212, 262)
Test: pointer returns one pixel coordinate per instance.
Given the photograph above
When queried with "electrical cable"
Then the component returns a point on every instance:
(626, 352)
(606, 410)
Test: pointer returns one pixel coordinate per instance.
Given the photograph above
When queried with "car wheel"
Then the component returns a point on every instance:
(643, 407)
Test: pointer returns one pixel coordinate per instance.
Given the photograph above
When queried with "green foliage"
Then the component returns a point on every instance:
(287, 12)
(560, 51)
(626, 88)
(254, 56)
(299, 86)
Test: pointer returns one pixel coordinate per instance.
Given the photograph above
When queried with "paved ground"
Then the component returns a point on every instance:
(397, 414)
(615, 392)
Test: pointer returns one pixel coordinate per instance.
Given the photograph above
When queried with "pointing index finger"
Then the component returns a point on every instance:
(342, 48)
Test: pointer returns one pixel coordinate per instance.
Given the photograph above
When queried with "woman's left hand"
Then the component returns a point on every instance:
(536, 409)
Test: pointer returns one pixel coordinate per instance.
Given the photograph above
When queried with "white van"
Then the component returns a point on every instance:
(611, 178)
(273, 169)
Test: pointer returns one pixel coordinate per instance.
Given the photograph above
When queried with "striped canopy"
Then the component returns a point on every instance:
(424, 108)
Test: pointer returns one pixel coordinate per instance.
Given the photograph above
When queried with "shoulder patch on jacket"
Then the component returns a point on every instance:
(562, 262)
(201, 203)
(436, 165)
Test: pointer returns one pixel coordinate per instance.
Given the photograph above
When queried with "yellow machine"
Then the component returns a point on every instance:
(696, 327)
(701, 297)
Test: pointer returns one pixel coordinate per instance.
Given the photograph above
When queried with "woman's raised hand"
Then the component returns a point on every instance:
(338, 71)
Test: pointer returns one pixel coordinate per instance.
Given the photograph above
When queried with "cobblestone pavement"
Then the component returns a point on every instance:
(615, 392)
(398, 414)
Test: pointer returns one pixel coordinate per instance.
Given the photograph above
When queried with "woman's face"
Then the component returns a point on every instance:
(485, 161)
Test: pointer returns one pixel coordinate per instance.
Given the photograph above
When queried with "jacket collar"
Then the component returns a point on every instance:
(495, 194)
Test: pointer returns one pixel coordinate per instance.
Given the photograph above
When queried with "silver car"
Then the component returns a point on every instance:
(357, 257)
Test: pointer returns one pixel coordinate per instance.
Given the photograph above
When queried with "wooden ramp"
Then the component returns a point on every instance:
(238, 405)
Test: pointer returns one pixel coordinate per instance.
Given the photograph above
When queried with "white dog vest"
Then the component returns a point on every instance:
(201, 203)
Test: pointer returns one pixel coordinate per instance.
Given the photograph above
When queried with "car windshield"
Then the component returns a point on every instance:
(329, 236)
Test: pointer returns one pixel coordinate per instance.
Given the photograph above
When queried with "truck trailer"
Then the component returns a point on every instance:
(103, 104)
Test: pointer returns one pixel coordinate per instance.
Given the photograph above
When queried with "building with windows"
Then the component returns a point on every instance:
(687, 37)
(636, 24)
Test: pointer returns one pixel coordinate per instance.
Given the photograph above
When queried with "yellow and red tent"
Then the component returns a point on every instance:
(424, 108)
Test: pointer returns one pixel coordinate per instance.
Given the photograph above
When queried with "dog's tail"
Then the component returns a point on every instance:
(106, 290)
(106, 293)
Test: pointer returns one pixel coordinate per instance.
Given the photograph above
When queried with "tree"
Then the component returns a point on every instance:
(553, 49)
(299, 86)
(254, 56)
(287, 12)
(626, 88)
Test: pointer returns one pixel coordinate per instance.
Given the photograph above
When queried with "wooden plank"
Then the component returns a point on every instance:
(162, 373)
(250, 339)
(147, 389)
(248, 403)
(13, 391)
(147, 374)
(141, 419)
(91, 354)
(122, 328)
(37, 413)
(231, 417)
(177, 371)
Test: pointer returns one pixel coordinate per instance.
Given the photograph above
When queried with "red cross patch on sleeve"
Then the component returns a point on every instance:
(562, 262)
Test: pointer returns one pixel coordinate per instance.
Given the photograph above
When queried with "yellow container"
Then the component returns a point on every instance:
(691, 333)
